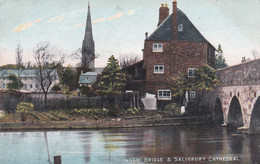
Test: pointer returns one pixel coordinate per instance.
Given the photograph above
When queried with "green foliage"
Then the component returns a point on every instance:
(11, 66)
(172, 109)
(220, 60)
(205, 80)
(112, 81)
(69, 78)
(87, 91)
(24, 109)
(92, 113)
(15, 82)
(131, 111)
(56, 88)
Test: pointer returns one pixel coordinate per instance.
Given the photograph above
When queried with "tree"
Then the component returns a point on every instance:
(112, 81)
(78, 56)
(15, 83)
(128, 59)
(69, 78)
(220, 60)
(19, 57)
(205, 80)
(47, 60)
(24, 109)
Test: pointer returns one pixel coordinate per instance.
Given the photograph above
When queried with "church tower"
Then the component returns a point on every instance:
(88, 46)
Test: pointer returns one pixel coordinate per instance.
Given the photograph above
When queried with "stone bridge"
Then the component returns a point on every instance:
(236, 102)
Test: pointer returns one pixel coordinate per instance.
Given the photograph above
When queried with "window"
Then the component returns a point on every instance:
(25, 86)
(3, 85)
(25, 78)
(180, 27)
(192, 94)
(157, 47)
(159, 69)
(4, 78)
(36, 86)
(31, 86)
(164, 94)
(191, 72)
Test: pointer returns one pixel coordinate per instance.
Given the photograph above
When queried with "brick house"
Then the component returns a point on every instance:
(175, 46)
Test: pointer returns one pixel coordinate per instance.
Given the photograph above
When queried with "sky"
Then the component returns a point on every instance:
(119, 26)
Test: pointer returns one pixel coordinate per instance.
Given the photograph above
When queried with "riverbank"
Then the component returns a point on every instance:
(102, 123)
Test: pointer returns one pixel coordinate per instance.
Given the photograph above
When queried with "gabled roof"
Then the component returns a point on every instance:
(24, 73)
(88, 78)
(190, 32)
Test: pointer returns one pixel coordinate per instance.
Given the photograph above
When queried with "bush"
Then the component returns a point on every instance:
(56, 87)
(132, 111)
(24, 109)
(173, 109)
(92, 113)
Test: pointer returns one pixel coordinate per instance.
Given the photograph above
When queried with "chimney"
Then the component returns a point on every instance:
(163, 13)
(174, 20)
(146, 35)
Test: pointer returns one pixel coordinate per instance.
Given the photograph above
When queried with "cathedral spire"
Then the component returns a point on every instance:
(88, 30)
(88, 46)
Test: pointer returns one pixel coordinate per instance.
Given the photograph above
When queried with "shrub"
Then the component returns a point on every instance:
(172, 109)
(56, 87)
(132, 111)
(24, 109)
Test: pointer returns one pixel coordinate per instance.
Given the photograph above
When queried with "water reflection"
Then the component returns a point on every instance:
(122, 145)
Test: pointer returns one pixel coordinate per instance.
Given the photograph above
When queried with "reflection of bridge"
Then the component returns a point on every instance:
(237, 101)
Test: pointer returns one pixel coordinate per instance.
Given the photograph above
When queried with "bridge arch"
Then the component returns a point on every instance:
(235, 117)
(217, 114)
(255, 117)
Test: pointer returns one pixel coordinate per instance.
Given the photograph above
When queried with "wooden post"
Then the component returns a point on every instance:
(134, 99)
(57, 159)
(138, 105)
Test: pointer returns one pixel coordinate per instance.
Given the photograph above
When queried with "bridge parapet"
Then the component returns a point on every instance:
(242, 74)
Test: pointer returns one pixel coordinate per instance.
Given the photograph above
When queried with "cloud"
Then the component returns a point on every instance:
(23, 27)
(79, 25)
(99, 20)
(116, 16)
(37, 20)
(57, 18)
(130, 12)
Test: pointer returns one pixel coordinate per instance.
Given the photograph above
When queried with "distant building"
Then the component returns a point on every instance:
(89, 78)
(175, 46)
(29, 77)
(88, 45)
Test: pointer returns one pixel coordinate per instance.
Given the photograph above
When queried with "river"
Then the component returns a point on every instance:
(168, 144)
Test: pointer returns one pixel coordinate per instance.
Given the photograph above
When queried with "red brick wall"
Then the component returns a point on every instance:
(176, 57)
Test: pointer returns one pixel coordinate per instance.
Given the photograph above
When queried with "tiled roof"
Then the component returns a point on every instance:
(88, 78)
(23, 72)
(189, 33)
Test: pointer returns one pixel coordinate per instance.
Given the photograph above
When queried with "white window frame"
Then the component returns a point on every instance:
(158, 71)
(191, 69)
(156, 47)
(180, 27)
(192, 94)
(163, 97)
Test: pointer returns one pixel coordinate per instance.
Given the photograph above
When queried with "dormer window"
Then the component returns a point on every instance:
(180, 27)
(157, 47)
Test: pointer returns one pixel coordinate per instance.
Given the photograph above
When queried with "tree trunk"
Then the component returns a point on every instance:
(45, 100)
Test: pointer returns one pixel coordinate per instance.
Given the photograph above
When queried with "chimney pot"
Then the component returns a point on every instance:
(163, 13)
(146, 35)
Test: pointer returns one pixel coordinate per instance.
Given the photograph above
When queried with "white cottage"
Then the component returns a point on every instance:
(29, 77)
